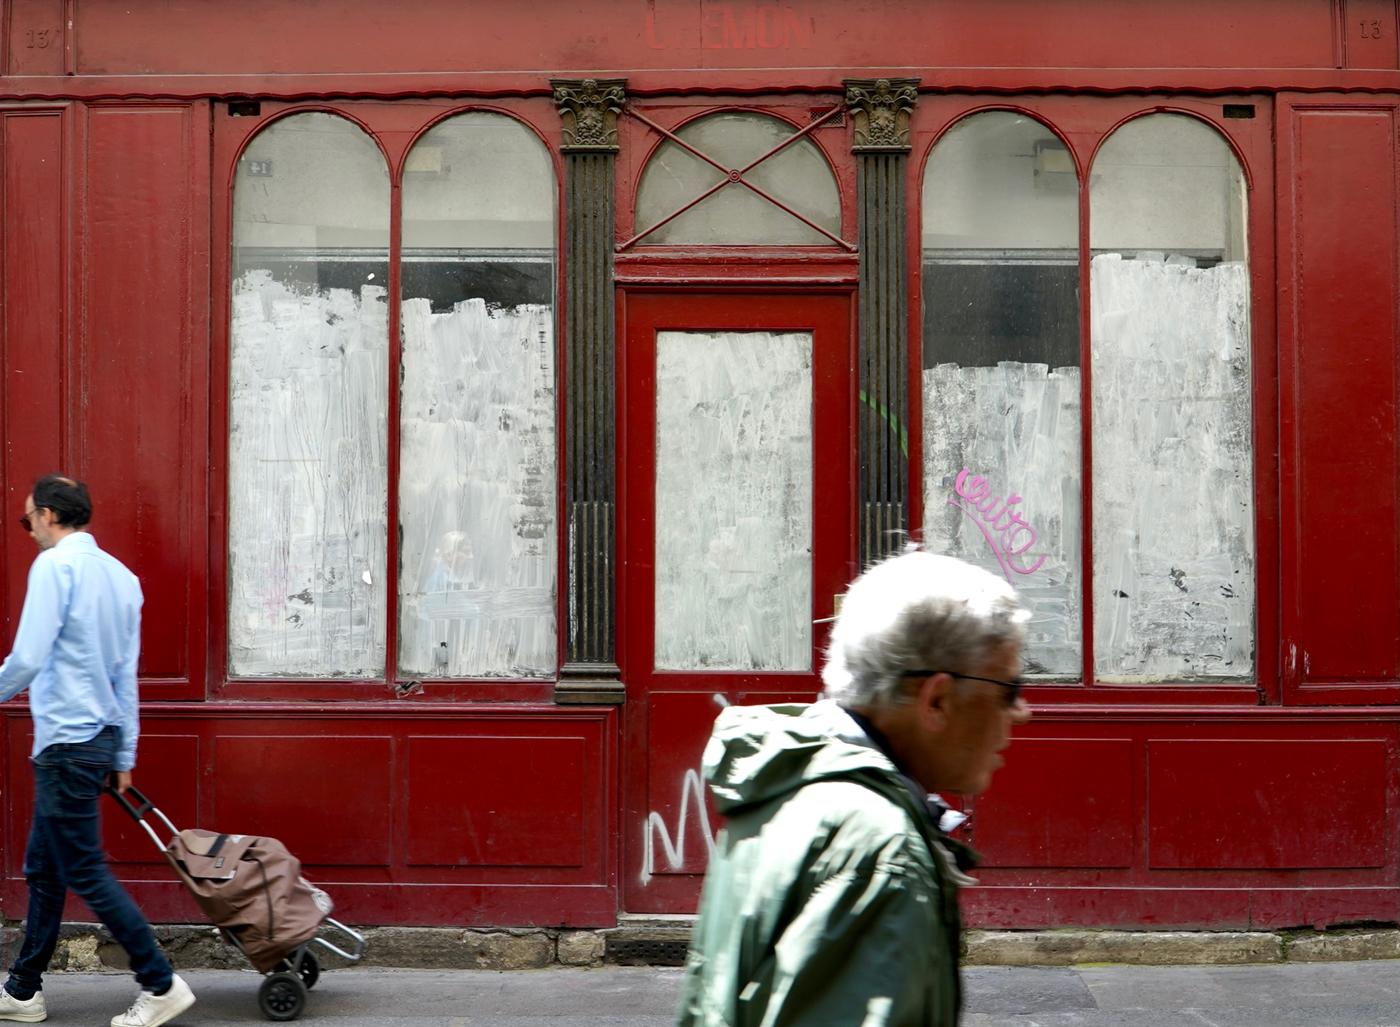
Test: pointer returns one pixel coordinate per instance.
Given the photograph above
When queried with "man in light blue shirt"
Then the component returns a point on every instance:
(76, 650)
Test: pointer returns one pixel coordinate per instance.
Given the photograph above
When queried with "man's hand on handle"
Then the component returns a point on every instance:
(120, 780)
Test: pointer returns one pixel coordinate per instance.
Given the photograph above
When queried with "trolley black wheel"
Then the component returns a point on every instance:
(309, 970)
(282, 996)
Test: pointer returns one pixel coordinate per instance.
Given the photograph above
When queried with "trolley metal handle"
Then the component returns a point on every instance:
(137, 811)
(357, 941)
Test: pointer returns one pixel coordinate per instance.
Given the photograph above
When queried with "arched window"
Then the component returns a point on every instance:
(477, 566)
(312, 386)
(796, 176)
(308, 428)
(1173, 490)
(1001, 378)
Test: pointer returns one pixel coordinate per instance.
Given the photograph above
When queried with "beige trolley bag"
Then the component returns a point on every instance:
(251, 889)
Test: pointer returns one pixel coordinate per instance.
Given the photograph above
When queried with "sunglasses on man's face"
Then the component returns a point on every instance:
(24, 521)
(1013, 688)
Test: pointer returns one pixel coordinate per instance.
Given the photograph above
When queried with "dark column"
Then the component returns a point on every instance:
(589, 110)
(880, 109)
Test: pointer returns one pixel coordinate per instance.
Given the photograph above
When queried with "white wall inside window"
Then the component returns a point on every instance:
(321, 182)
(1167, 182)
(1000, 180)
(478, 180)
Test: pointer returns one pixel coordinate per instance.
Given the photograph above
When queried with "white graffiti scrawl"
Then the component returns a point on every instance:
(692, 797)
(692, 809)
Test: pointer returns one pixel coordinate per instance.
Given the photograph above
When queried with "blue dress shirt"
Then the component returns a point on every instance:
(76, 648)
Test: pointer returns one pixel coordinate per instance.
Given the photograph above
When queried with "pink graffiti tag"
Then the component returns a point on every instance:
(1009, 535)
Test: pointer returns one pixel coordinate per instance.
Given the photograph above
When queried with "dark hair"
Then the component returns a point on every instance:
(68, 499)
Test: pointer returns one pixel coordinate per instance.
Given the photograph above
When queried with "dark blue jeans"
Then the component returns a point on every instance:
(65, 851)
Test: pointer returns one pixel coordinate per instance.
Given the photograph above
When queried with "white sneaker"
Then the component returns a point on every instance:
(31, 1010)
(152, 1010)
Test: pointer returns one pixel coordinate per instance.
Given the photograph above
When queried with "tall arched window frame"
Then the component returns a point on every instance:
(330, 443)
(1153, 372)
(308, 433)
(1000, 377)
(1173, 482)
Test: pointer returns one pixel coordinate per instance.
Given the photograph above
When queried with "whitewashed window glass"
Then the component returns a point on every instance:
(733, 501)
(1001, 378)
(308, 403)
(735, 215)
(1173, 490)
(477, 418)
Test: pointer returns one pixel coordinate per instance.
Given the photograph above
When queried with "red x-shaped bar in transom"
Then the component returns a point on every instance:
(736, 175)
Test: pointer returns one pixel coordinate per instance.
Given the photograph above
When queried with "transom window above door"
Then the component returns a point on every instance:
(738, 178)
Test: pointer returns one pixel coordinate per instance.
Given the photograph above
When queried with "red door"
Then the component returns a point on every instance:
(738, 493)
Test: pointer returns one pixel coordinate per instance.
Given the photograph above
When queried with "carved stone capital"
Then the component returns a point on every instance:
(589, 108)
(880, 108)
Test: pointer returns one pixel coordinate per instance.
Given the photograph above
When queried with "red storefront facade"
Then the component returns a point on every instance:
(695, 308)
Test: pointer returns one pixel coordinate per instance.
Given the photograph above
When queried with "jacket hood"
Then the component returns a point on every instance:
(760, 753)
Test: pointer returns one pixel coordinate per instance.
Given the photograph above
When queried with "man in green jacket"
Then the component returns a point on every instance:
(831, 897)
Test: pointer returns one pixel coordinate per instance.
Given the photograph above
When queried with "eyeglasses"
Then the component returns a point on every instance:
(24, 521)
(1013, 688)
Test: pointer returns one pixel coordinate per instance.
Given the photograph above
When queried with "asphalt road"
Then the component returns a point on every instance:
(1288, 995)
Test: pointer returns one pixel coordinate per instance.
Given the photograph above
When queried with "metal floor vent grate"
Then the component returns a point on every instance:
(647, 951)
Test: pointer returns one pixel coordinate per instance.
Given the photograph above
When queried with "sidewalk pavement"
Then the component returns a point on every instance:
(1281, 995)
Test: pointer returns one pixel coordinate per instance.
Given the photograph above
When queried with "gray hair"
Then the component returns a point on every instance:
(916, 611)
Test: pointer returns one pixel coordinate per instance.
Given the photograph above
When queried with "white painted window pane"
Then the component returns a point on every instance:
(1001, 381)
(478, 562)
(733, 501)
(308, 403)
(798, 175)
(1174, 561)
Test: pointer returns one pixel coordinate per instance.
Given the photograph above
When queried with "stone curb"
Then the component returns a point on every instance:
(84, 948)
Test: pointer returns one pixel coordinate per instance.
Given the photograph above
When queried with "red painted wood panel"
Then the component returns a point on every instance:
(334, 783)
(168, 773)
(329, 799)
(1341, 468)
(680, 821)
(196, 38)
(1228, 804)
(143, 366)
(1060, 802)
(1369, 33)
(35, 41)
(481, 801)
(34, 320)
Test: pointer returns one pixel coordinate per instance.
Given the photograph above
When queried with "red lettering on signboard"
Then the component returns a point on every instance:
(751, 26)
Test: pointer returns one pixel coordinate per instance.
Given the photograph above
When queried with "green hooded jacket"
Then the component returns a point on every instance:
(831, 897)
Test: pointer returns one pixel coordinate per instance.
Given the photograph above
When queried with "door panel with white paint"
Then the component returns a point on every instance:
(733, 501)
